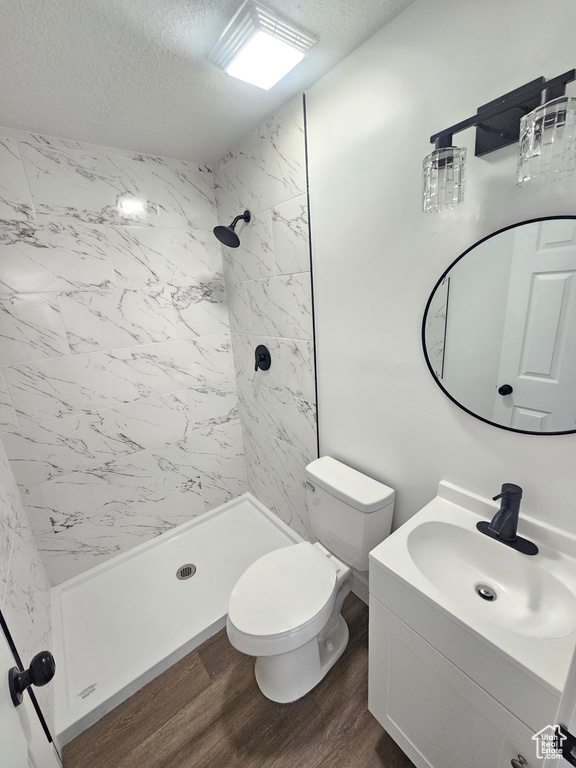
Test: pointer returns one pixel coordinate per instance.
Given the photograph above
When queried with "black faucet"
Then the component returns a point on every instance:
(504, 524)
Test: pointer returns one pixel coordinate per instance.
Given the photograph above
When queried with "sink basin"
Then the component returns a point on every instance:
(439, 557)
(461, 562)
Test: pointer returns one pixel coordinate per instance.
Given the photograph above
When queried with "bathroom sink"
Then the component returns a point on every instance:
(503, 586)
(439, 563)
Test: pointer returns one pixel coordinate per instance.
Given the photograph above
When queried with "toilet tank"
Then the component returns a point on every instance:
(350, 513)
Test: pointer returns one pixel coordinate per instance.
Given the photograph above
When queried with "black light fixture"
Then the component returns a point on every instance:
(547, 129)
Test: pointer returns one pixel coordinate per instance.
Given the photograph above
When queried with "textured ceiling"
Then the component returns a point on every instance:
(134, 74)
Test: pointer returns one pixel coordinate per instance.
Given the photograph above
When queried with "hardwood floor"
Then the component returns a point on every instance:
(207, 712)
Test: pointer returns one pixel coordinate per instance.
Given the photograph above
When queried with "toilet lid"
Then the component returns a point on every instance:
(282, 591)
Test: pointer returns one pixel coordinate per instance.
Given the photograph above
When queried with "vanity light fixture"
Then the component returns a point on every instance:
(546, 134)
(259, 47)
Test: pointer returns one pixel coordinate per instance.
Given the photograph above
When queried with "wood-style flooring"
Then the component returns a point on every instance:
(207, 712)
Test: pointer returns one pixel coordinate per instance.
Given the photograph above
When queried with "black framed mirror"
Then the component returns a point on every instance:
(499, 328)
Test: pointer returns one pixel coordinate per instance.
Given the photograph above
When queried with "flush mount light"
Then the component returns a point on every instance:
(546, 134)
(259, 47)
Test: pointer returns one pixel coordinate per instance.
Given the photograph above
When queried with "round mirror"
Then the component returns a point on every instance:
(499, 330)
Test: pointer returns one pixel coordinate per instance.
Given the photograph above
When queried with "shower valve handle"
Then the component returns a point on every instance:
(262, 357)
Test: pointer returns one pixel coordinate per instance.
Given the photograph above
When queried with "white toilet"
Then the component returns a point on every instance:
(285, 608)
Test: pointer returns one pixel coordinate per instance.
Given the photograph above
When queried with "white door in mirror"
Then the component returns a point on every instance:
(538, 357)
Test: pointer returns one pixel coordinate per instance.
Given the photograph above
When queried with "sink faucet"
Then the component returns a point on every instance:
(504, 524)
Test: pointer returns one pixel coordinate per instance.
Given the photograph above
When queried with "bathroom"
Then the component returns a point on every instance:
(368, 123)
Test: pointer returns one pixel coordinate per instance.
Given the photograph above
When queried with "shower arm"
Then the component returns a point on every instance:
(244, 216)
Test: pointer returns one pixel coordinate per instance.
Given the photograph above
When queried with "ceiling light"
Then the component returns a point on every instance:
(259, 47)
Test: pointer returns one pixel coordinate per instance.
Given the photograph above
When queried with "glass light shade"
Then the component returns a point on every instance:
(264, 60)
(547, 146)
(443, 179)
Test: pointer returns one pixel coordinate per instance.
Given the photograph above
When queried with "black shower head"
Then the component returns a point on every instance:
(227, 235)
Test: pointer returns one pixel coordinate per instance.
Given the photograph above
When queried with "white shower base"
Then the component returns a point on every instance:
(124, 622)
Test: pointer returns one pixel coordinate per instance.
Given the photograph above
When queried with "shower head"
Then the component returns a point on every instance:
(227, 235)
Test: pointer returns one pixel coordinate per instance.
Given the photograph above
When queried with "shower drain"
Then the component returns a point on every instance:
(186, 571)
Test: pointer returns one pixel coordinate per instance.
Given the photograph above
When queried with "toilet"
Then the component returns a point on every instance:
(285, 608)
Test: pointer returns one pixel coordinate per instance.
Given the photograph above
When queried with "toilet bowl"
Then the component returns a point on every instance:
(285, 608)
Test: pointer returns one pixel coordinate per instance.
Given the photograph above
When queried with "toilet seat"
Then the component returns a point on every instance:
(282, 600)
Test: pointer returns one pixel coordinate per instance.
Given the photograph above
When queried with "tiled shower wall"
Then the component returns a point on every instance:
(269, 298)
(117, 396)
(24, 588)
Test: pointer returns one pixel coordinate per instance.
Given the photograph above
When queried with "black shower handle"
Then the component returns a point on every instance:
(262, 358)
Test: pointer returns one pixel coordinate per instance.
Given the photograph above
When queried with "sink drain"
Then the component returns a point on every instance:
(486, 592)
(186, 571)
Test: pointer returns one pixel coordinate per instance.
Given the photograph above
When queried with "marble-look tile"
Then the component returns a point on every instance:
(217, 490)
(39, 453)
(87, 187)
(230, 200)
(66, 386)
(173, 365)
(38, 515)
(26, 605)
(239, 313)
(110, 488)
(31, 328)
(286, 124)
(99, 320)
(276, 476)
(288, 418)
(185, 193)
(15, 201)
(212, 403)
(281, 306)
(40, 138)
(268, 171)
(267, 168)
(143, 424)
(254, 257)
(292, 369)
(290, 236)
(27, 601)
(8, 419)
(201, 308)
(217, 451)
(147, 256)
(99, 537)
(56, 256)
(217, 448)
(6, 533)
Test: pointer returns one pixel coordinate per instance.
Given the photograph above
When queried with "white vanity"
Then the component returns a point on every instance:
(458, 680)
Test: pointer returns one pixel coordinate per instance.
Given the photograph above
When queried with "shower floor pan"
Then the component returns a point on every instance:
(124, 622)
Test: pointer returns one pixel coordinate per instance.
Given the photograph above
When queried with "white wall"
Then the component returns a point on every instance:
(376, 256)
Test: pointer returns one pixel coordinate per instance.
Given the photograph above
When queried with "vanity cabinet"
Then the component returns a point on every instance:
(438, 715)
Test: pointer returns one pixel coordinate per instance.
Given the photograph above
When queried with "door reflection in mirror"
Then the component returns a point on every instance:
(503, 317)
